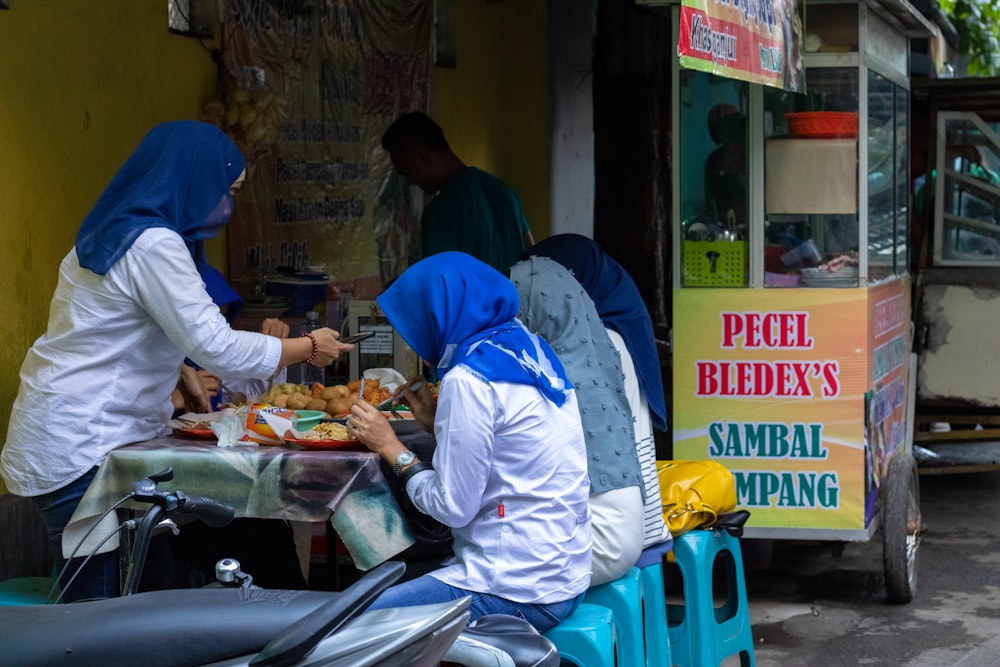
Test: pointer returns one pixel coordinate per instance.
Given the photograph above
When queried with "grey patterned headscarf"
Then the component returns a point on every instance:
(555, 306)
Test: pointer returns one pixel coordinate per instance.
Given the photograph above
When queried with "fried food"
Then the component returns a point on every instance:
(336, 391)
(336, 399)
(316, 404)
(298, 401)
(338, 406)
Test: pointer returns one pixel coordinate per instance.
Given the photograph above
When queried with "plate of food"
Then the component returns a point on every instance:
(325, 435)
(402, 421)
(197, 432)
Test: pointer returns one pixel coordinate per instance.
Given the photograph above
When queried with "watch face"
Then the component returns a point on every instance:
(405, 458)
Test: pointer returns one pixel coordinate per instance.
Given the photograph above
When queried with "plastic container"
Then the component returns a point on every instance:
(822, 124)
(307, 373)
(304, 289)
(804, 254)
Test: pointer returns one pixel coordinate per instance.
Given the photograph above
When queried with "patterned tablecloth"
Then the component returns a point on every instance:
(259, 482)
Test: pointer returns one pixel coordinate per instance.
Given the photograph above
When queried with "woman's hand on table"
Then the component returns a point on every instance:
(195, 397)
(272, 326)
(209, 381)
(372, 428)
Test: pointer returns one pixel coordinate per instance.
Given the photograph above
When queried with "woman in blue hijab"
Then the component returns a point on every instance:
(129, 306)
(509, 471)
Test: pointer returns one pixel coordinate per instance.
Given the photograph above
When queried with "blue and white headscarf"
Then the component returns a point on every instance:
(179, 178)
(453, 309)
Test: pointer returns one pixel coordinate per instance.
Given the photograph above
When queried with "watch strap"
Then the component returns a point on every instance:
(420, 466)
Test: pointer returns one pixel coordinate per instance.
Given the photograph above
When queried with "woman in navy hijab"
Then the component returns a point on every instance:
(630, 328)
(129, 305)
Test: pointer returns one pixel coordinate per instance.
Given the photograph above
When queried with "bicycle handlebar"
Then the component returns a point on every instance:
(167, 504)
(206, 510)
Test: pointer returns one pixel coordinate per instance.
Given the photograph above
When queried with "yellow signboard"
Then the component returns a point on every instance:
(776, 386)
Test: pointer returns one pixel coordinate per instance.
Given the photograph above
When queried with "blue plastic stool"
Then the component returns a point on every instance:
(24, 591)
(587, 637)
(701, 634)
(656, 637)
(624, 598)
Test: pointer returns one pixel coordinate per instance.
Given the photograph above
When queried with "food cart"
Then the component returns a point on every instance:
(791, 300)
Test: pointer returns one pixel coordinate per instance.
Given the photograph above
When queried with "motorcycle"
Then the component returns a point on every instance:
(234, 623)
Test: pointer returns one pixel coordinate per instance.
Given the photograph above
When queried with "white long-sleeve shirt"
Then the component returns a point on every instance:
(654, 529)
(102, 374)
(510, 479)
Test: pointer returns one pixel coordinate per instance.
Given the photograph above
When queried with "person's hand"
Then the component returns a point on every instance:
(328, 347)
(210, 382)
(371, 427)
(196, 398)
(272, 326)
(421, 403)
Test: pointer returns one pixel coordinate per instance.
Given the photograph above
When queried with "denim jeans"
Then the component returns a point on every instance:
(428, 590)
(99, 578)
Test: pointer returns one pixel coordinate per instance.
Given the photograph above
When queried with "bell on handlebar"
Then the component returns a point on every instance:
(229, 574)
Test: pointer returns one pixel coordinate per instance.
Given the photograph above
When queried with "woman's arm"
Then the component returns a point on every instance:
(168, 286)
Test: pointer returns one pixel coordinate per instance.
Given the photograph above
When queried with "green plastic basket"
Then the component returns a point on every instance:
(714, 263)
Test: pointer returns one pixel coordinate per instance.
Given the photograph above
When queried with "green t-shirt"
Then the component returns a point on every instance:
(478, 214)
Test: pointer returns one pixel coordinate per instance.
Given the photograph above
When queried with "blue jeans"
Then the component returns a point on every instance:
(428, 590)
(99, 578)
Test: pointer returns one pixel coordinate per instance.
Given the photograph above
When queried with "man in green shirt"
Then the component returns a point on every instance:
(473, 211)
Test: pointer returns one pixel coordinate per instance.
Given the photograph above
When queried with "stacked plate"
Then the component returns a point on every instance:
(844, 277)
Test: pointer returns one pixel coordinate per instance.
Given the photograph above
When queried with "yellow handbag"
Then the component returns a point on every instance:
(694, 493)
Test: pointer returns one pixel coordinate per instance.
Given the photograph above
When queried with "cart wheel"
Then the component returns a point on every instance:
(901, 528)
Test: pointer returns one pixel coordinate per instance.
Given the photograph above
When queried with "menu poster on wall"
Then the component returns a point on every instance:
(774, 388)
(307, 89)
(759, 41)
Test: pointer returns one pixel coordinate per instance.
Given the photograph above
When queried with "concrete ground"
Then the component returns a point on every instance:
(812, 607)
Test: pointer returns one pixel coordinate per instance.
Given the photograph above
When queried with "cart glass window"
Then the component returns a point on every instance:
(831, 29)
(811, 176)
(967, 199)
(713, 180)
(887, 189)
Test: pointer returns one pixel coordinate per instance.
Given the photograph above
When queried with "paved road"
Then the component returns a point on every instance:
(811, 607)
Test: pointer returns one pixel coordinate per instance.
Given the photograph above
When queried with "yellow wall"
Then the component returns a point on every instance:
(80, 82)
(494, 105)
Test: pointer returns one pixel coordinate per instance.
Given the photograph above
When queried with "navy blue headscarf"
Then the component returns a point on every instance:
(618, 303)
(453, 309)
(179, 178)
(222, 293)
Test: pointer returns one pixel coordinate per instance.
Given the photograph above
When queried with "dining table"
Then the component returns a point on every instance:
(346, 487)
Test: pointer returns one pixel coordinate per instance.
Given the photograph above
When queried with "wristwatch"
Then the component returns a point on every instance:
(405, 458)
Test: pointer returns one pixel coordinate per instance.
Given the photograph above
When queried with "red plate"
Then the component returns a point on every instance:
(195, 433)
(307, 443)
